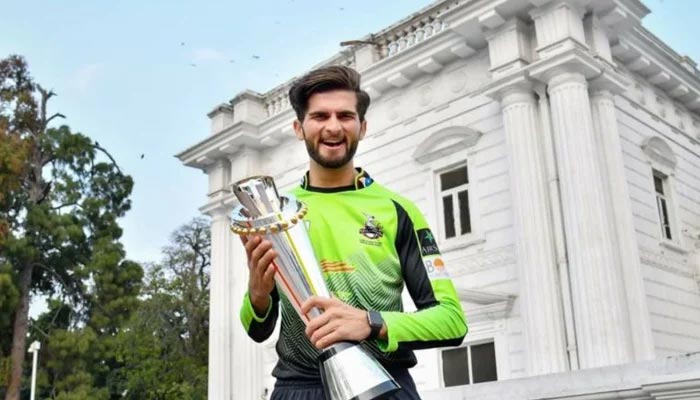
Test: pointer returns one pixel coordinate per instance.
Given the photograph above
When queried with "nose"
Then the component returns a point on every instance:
(333, 124)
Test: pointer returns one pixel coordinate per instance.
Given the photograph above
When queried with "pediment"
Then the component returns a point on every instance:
(658, 150)
(445, 142)
(481, 305)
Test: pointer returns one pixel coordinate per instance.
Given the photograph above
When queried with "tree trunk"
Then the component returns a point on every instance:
(19, 334)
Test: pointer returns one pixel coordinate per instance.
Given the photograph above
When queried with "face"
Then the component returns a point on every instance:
(331, 128)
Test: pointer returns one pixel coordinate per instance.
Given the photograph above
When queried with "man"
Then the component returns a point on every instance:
(369, 241)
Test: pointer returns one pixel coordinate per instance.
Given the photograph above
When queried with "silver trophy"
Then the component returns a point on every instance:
(347, 370)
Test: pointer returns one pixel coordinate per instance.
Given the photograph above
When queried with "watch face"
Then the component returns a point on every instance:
(375, 319)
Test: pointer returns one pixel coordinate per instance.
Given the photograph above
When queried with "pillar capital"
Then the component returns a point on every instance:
(518, 84)
(574, 61)
(608, 82)
(566, 77)
(517, 94)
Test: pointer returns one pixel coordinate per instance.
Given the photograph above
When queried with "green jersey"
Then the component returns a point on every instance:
(370, 243)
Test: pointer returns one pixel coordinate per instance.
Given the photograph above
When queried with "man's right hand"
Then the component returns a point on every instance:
(261, 277)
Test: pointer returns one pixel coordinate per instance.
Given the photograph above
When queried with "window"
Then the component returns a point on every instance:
(454, 194)
(465, 365)
(663, 163)
(448, 158)
(662, 204)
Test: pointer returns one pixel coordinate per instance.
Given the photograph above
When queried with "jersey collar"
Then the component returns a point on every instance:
(362, 180)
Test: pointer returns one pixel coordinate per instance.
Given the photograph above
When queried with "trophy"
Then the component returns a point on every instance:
(347, 370)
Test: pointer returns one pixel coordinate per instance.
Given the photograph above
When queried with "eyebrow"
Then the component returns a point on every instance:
(343, 112)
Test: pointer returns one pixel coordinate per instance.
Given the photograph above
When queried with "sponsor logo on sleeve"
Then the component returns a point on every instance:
(435, 267)
(428, 246)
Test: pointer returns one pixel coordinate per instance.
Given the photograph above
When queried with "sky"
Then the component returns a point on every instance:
(140, 76)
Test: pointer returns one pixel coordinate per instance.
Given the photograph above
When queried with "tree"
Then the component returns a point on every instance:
(165, 344)
(60, 213)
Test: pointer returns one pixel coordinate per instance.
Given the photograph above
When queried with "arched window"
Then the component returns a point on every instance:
(663, 166)
(446, 153)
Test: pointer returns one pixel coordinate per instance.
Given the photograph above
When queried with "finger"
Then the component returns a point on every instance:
(250, 244)
(322, 332)
(259, 252)
(329, 340)
(316, 301)
(267, 258)
(315, 323)
(269, 273)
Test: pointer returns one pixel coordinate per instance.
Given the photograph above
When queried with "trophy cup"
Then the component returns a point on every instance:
(347, 370)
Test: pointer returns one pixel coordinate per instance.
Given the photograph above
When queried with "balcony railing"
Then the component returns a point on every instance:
(390, 42)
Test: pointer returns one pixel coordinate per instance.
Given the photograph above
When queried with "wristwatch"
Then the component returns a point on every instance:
(376, 322)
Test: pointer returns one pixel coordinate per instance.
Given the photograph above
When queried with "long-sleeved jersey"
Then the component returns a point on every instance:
(370, 243)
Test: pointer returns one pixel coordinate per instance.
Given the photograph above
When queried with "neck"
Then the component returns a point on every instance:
(331, 178)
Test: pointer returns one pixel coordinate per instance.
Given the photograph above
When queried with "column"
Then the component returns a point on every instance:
(247, 361)
(605, 128)
(247, 373)
(541, 307)
(602, 328)
(221, 316)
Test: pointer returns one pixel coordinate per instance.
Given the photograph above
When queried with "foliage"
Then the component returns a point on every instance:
(60, 238)
(109, 332)
(165, 344)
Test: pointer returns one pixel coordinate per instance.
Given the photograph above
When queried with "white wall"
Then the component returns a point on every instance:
(669, 275)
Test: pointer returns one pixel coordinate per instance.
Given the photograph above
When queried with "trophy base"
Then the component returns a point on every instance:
(349, 372)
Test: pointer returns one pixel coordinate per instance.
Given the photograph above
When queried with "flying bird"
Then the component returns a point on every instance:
(182, 43)
(142, 156)
(193, 65)
(256, 57)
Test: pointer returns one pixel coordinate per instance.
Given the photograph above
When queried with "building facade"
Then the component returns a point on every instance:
(554, 147)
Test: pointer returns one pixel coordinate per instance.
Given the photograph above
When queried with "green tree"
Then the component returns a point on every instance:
(61, 236)
(165, 343)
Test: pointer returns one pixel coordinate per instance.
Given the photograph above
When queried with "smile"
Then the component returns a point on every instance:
(332, 144)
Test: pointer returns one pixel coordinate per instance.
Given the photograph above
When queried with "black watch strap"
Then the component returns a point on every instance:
(376, 322)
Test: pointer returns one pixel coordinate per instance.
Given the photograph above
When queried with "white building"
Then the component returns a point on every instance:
(573, 235)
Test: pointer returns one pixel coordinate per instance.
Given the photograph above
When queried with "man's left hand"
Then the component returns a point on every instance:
(339, 322)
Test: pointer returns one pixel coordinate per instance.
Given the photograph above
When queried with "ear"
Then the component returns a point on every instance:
(363, 129)
(298, 129)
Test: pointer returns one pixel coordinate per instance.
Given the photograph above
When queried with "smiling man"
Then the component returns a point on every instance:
(370, 243)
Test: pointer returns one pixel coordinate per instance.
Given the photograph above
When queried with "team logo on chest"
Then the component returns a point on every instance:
(372, 229)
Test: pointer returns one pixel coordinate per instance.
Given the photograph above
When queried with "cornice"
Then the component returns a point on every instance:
(422, 59)
(226, 142)
(600, 75)
(247, 95)
(643, 53)
(226, 107)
